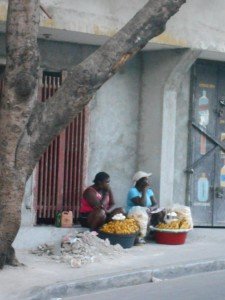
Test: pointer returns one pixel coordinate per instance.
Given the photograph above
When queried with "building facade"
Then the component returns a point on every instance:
(163, 112)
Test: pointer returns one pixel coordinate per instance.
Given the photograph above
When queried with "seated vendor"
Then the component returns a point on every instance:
(141, 194)
(97, 203)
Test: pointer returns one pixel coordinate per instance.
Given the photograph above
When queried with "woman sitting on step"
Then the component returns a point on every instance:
(97, 203)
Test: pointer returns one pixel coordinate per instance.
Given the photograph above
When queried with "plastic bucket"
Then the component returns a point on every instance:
(170, 238)
(125, 240)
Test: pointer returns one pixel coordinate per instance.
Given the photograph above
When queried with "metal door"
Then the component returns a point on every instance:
(60, 171)
(2, 69)
(206, 167)
(219, 183)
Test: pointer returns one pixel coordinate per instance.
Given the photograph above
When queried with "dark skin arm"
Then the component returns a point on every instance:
(94, 202)
(108, 193)
(154, 203)
(111, 199)
(140, 201)
(92, 199)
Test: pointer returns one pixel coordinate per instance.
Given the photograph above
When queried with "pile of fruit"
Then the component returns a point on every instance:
(127, 226)
(178, 224)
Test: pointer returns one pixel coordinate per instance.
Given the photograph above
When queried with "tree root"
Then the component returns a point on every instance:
(2, 260)
(9, 258)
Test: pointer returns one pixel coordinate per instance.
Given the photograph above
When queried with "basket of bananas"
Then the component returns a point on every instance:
(120, 231)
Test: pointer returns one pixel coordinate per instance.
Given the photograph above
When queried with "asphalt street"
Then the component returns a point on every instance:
(207, 286)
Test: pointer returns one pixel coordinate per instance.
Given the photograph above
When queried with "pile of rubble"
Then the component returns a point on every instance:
(79, 249)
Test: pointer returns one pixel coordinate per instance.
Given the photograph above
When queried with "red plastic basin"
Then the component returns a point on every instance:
(170, 238)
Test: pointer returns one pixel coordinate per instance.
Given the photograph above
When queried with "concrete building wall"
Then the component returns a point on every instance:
(92, 21)
(113, 120)
(163, 99)
(114, 129)
(58, 56)
(181, 141)
(194, 26)
(149, 144)
(126, 122)
(118, 143)
(157, 67)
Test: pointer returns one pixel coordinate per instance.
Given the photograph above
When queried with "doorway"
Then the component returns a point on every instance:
(206, 184)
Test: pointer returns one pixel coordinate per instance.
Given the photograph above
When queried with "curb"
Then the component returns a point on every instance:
(121, 280)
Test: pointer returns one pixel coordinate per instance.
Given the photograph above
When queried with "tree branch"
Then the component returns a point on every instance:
(86, 78)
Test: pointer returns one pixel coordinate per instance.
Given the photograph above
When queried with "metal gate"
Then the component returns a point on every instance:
(60, 171)
(206, 167)
(2, 69)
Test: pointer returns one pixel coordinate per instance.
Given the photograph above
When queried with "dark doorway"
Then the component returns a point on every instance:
(207, 145)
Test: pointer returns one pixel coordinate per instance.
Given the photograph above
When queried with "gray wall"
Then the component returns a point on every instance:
(57, 56)
(114, 112)
(62, 56)
(114, 129)
(199, 24)
(157, 66)
(131, 116)
(162, 147)
(113, 126)
(181, 140)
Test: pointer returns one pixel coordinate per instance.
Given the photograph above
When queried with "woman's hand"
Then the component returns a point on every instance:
(144, 188)
(107, 189)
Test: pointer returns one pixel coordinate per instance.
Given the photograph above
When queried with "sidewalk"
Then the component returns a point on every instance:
(203, 245)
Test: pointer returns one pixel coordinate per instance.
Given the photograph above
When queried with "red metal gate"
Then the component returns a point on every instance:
(2, 68)
(60, 171)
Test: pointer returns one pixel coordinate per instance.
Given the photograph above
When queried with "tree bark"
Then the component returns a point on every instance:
(26, 127)
(17, 102)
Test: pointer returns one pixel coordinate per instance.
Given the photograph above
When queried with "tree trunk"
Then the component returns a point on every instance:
(11, 193)
(17, 102)
(12, 183)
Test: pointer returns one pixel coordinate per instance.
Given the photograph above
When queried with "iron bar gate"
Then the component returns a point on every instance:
(60, 170)
(2, 68)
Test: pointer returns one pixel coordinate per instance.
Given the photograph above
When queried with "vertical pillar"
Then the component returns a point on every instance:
(162, 75)
(172, 85)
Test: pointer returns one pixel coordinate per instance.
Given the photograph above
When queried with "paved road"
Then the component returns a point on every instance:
(207, 286)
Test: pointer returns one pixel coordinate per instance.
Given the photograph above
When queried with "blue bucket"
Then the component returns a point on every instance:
(125, 240)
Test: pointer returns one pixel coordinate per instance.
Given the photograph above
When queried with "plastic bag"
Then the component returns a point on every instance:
(183, 212)
(141, 216)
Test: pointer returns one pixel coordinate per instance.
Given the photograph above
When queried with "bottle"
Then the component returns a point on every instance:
(203, 111)
(222, 176)
(58, 219)
(203, 188)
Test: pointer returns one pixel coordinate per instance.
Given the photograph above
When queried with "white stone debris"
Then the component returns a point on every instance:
(80, 249)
